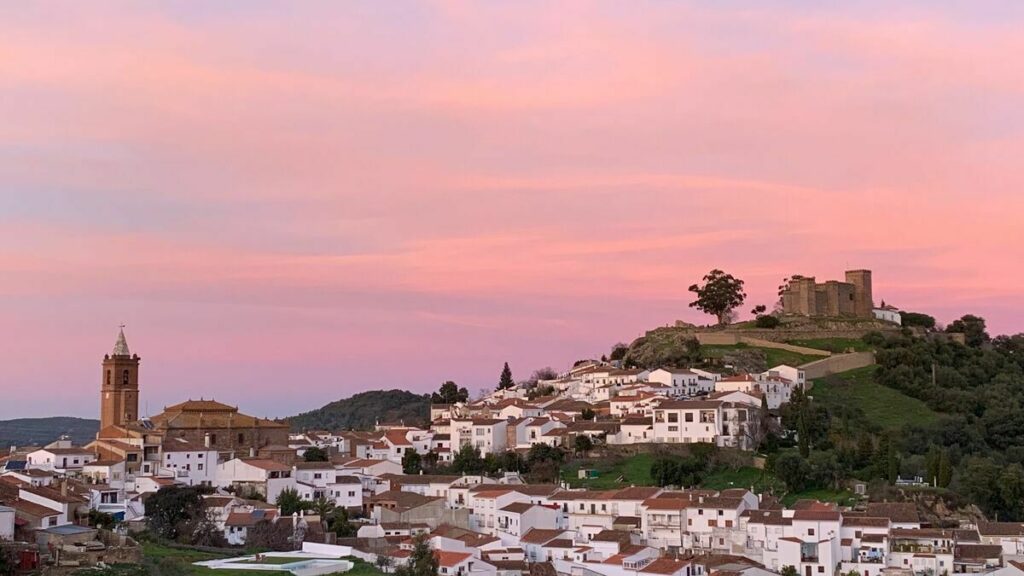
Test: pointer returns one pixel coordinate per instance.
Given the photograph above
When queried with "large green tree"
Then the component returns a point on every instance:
(719, 295)
(315, 454)
(422, 562)
(172, 509)
(973, 329)
(289, 501)
(412, 462)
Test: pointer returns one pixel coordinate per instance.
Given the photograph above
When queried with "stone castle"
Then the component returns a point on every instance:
(803, 296)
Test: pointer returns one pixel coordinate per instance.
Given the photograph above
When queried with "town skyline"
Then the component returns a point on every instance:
(158, 392)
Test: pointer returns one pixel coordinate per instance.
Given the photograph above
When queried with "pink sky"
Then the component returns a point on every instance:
(287, 205)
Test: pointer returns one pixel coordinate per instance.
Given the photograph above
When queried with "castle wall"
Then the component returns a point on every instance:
(833, 298)
(863, 297)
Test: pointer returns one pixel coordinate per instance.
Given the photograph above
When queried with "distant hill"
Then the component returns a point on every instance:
(362, 411)
(40, 431)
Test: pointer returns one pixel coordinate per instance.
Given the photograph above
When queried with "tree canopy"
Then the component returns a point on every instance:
(315, 454)
(719, 295)
(450, 393)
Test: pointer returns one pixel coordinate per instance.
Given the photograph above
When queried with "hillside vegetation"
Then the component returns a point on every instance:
(364, 410)
(884, 407)
(41, 431)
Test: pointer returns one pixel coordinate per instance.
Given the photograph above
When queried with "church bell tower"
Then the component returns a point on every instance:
(119, 395)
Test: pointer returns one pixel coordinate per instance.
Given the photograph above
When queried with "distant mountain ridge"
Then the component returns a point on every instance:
(40, 431)
(362, 411)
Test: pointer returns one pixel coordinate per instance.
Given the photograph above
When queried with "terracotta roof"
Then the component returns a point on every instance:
(31, 509)
(268, 465)
(448, 559)
(248, 519)
(540, 536)
(518, 507)
(1001, 528)
(667, 503)
(637, 493)
(978, 551)
(865, 522)
(397, 437)
(666, 565)
(198, 414)
(767, 517)
(817, 515)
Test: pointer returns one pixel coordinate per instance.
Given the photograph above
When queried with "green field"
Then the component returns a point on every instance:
(773, 356)
(745, 477)
(842, 497)
(882, 406)
(612, 473)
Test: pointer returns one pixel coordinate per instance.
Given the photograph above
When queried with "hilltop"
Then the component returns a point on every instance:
(40, 431)
(363, 410)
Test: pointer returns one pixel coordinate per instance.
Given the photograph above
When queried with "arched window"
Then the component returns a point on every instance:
(241, 438)
(124, 378)
(108, 377)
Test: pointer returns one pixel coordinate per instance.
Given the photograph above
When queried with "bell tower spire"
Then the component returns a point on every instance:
(119, 391)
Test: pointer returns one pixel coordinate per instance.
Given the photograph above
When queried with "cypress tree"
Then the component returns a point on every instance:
(505, 382)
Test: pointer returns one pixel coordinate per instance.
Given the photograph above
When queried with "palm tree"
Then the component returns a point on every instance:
(323, 508)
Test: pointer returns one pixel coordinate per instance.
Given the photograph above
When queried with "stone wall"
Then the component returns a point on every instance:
(732, 336)
(837, 363)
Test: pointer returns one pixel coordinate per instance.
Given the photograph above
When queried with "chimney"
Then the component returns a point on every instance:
(64, 488)
(252, 452)
(206, 440)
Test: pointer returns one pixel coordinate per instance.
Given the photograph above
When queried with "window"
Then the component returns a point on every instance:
(213, 438)
(673, 417)
(810, 531)
(199, 467)
(108, 377)
(689, 417)
(124, 377)
(241, 438)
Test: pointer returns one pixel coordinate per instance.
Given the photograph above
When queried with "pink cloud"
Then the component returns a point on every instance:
(308, 196)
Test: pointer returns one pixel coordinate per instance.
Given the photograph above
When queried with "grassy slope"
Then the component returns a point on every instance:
(634, 470)
(773, 356)
(882, 406)
(834, 345)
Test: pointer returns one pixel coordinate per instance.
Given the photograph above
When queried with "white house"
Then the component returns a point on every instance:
(518, 518)
(61, 460)
(188, 463)
(267, 477)
(486, 434)
(688, 421)
(7, 516)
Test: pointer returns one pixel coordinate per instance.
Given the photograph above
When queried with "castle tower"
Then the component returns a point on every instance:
(119, 392)
(863, 301)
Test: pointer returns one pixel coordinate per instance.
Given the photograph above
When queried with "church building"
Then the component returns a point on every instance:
(139, 440)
